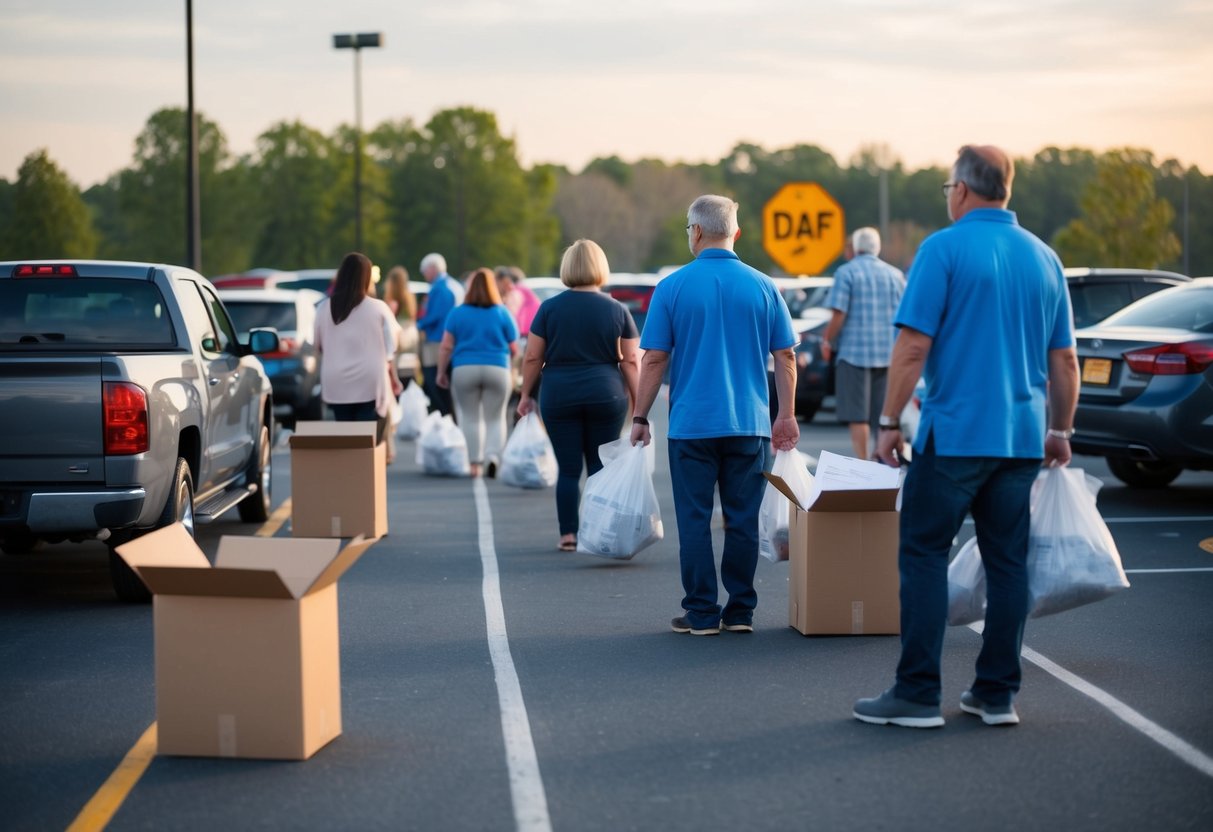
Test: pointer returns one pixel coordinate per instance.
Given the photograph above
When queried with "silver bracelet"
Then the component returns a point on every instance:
(1061, 434)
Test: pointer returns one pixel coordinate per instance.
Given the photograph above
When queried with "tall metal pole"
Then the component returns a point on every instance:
(1187, 261)
(193, 220)
(357, 149)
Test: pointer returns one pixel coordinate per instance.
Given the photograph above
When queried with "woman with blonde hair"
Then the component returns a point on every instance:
(585, 342)
(474, 363)
(356, 337)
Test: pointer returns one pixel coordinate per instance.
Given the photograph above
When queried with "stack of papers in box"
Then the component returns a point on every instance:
(843, 473)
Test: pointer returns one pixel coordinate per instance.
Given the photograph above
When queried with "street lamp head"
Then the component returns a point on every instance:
(365, 39)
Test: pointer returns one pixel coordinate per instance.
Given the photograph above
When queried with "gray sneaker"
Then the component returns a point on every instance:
(682, 625)
(990, 714)
(887, 709)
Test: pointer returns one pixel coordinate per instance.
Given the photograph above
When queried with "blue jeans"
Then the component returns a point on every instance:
(576, 431)
(938, 492)
(697, 466)
(360, 412)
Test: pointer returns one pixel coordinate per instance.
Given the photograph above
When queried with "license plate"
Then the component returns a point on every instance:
(1096, 371)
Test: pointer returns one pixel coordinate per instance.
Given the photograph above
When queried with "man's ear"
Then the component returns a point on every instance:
(737, 236)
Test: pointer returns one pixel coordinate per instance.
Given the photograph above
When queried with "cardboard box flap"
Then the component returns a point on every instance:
(883, 499)
(343, 561)
(214, 582)
(296, 561)
(334, 435)
(164, 550)
(782, 487)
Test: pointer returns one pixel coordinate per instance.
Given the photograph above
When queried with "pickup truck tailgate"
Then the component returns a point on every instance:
(51, 420)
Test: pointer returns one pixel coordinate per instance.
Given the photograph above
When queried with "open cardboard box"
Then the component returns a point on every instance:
(247, 651)
(338, 480)
(842, 553)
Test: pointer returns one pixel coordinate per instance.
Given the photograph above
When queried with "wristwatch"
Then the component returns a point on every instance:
(890, 422)
(640, 420)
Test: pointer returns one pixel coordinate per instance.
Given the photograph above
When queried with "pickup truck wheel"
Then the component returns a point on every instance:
(255, 508)
(20, 544)
(178, 508)
(1143, 474)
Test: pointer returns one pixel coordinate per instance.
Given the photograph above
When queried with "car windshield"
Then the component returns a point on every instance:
(82, 312)
(249, 314)
(1190, 309)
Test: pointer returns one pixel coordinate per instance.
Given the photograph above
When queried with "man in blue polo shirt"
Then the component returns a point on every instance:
(445, 294)
(986, 320)
(714, 322)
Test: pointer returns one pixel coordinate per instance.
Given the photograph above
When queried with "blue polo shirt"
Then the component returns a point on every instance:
(993, 299)
(445, 294)
(719, 319)
(482, 334)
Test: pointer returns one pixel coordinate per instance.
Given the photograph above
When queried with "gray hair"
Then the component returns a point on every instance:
(433, 259)
(982, 175)
(866, 240)
(716, 216)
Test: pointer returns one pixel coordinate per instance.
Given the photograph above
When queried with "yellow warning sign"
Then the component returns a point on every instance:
(803, 228)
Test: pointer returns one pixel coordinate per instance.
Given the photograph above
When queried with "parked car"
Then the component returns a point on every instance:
(545, 287)
(804, 293)
(127, 403)
(634, 291)
(1147, 386)
(294, 368)
(1097, 293)
(814, 375)
(318, 280)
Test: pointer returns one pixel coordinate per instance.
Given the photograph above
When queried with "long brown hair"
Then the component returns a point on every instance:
(350, 286)
(396, 288)
(482, 289)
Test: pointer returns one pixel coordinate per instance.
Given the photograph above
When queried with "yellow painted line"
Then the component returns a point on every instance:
(1207, 545)
(276, 521)
(99, 811)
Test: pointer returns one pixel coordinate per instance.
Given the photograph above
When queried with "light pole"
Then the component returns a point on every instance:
(193, 220)
(357, 43)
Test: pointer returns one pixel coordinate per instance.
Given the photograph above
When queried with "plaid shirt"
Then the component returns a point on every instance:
(868, 290)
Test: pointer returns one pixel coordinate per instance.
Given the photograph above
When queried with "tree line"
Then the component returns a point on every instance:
(455, 185)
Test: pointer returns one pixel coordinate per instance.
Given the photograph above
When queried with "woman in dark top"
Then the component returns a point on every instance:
(585, 342)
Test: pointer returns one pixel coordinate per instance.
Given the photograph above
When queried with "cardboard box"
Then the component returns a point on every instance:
(247, 651)
(338, 480)
(843, 576)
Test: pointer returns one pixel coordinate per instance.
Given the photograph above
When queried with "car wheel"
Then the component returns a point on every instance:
(255, 508)
(178, 508)
(21, 543)
(1143, 474)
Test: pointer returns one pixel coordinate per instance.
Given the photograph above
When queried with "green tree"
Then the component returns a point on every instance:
(1047, 188)
(376, 230)
(295, 171)
(48, 217)
(462, 192)
(1123, 223)
(1191, 193)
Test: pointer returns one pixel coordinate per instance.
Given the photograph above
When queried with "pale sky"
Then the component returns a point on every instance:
(679, 80)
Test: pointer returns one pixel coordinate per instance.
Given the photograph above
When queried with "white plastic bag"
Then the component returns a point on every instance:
(431, 422)
(1072, 559)
(619, 513)
(528, 461)
(966, 586)
(444, 450)
(414, 407)
(774, 515)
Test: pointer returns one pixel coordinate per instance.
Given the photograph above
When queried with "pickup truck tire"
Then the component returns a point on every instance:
(179, 508)
(21, 544)
(255, 508)
(1143, 474)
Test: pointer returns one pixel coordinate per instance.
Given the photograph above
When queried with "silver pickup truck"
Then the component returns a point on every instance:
(126, 404)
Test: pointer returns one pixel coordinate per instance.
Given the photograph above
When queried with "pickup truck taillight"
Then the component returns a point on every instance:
(125, 418)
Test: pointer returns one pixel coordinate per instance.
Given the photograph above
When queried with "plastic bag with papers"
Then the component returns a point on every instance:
(774, 515)
(414, 407)
(619, 510)
(528, 460)
(443, 449)
(1072, 559)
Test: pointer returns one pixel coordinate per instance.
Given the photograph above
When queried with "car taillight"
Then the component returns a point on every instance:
(44, 270)
(125, 419)
(1172, 359)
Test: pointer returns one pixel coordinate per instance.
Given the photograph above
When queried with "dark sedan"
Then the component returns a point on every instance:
(1146, 401)
(1097, 293)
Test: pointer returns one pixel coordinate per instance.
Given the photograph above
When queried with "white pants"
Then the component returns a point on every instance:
(481, 393)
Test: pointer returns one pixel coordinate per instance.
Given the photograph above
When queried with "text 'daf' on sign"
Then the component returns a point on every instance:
(803, 228)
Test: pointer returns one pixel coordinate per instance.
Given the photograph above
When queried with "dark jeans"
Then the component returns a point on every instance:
(938, 492)
(697, 466)
(440, 398)
(360, 412)
(576, 431)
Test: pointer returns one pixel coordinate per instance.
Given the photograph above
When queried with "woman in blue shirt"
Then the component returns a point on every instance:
(474, 363)
(585, 342)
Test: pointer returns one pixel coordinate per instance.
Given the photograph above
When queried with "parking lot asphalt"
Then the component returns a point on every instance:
(615, 722)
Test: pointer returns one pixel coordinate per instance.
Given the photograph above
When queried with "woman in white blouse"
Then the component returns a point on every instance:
(356, 336)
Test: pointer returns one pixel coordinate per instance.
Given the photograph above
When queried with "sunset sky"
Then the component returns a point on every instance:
(671, 79)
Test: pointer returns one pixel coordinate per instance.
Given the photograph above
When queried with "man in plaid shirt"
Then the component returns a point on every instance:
(864, 298)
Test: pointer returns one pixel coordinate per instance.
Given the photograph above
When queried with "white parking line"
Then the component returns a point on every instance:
(1166, 571)
(1188, 753)
(1187, 518)
(526, 785)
